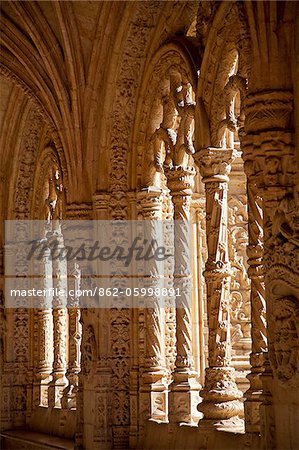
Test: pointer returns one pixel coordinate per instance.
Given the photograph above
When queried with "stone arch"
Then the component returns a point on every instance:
(222, 80)
(169, 59)
(47, 159)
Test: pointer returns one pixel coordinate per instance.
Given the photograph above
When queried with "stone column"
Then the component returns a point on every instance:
(154, 392)
(257, 301)
(69, 398)
(44, 331)
(184, 395)
(60, 324)
(221, 406)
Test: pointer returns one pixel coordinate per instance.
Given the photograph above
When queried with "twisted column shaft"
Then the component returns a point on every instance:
(258, 308)
(185, 388)
(154, 389)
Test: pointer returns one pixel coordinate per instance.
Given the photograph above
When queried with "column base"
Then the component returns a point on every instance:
(221, 405)
(55, 391)
(233, 425)
(254, 395)
(69, 396)
(252, 412)
(40, 390)
(154, 399)
(184, 398)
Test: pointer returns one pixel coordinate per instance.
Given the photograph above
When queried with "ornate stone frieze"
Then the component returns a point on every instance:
(78, 211)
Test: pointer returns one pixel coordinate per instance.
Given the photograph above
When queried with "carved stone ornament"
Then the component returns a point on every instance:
(284, 353)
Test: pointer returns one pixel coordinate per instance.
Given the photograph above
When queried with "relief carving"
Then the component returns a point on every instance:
(284, 352)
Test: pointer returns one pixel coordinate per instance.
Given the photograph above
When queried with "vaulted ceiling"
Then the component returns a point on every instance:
(72, 57)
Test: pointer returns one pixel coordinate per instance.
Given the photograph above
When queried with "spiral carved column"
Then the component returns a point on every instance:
(154, 392)
(221, 406)
(184, 395)
(258, 306)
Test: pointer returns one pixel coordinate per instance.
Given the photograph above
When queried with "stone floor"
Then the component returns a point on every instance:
(30, 440)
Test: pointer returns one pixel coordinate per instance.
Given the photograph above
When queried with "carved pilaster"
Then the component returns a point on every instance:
(270, 163)
(184, 395)
(101, 205)
(154, 375)
(258, 305)
(221, 404)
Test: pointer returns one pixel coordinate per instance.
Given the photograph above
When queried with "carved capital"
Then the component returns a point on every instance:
(180, 179)
(269, 162)
(215, 163)
(268, 110)
(79, 211)
(118, 205)
(100, 201)
(149, 203)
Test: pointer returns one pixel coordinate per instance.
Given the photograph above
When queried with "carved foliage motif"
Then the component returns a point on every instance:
(240, 287)
(122, 125)
(89, 352)
(284, 352)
